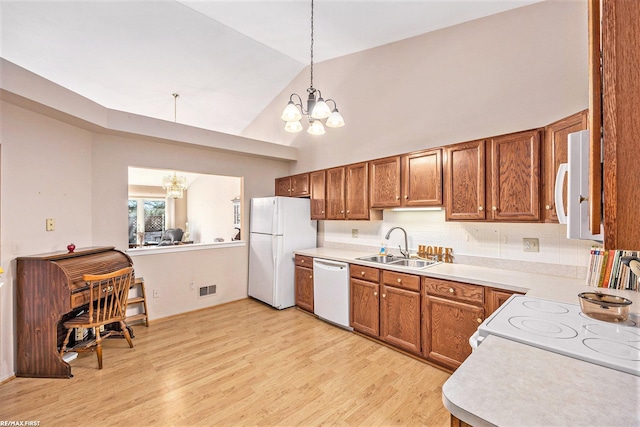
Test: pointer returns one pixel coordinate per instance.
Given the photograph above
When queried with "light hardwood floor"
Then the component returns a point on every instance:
(242, 363)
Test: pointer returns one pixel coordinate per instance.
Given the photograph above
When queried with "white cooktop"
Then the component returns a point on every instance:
(564, 329)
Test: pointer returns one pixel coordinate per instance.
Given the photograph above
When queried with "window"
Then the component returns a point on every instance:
(205, 207)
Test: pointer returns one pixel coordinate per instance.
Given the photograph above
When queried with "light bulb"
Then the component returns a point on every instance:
(316, 128)
(291, 113)
(293, 126)
(320, 110)
(335, 120)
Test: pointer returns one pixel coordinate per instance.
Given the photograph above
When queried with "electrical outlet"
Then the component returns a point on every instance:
(354, 233)
(51, 224)
(531, 244)
(156, 293)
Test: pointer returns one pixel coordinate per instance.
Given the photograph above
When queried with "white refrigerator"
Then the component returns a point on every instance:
(278, 226)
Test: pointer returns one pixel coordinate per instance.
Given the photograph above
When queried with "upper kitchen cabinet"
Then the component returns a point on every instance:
(464, 181)
(515, 177)
(317, 190)
(422, 178)
(348, 192)
(556, 142)
(293, 186)
(512, 170)
(384, 185)
(411, 180)
(621, 125)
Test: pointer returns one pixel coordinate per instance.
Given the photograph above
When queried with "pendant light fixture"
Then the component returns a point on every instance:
(175, 185)
(317, 108)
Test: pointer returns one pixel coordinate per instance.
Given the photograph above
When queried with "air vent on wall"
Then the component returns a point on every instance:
(207, 290)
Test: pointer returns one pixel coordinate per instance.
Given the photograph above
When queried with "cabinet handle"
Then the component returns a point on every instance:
(375, 294)
(310, 277)
(479, 320)
(480, 208)
(348, 211)
(548, 207)
(406, 196)
(451, 290)
(397, 197)
(362, 272)
(399, 280)
(322, 211)
(384, 295)
(493, 208)
(302, 261)
(341, 211)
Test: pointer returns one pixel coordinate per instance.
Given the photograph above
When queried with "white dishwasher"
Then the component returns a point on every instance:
(331, 300)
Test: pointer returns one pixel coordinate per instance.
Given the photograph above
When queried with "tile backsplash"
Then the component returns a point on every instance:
(488, 244)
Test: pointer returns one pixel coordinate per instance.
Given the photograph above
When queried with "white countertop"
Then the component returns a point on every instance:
(507, 383)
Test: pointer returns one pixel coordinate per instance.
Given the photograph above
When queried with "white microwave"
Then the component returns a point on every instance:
(576, 172)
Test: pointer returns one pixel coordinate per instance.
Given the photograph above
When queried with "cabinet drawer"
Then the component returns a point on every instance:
(304, 261)
(80, 298)
(473, 294)
(365, 273)
(400, 280)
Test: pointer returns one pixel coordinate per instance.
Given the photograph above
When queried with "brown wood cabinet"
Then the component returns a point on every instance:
(452, 312)
(304, 282)
(347, 190)
(365, 300)
(293, 186)
(513, 173)
(411, 180)
(422, 178)
(494, 298)
(400, 311)
(317, 192)
(515, 176)
(555, 149)
(465, 179)
(621, 126)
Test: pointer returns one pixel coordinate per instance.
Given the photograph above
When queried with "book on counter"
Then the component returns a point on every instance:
(605, 270)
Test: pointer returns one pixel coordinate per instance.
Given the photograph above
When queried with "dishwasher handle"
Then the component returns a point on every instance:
(329, 265)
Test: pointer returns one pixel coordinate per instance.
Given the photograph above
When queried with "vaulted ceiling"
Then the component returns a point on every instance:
(225, 59)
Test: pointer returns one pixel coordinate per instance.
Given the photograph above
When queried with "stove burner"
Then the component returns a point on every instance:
(613, 332)
(613, 348)
(543, 327)
(545, 307)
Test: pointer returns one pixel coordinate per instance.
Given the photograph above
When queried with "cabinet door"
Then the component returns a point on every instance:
(556, 143)
(317, 192)
(300, 185)
(465, 181)
(283, 186)
(357, 191)
(447, 327)
(400, 318)
(515, 177)
(365, 307)
(384, 186)
(335, 193)
(304, 288)
(422, 179)
(494, 298)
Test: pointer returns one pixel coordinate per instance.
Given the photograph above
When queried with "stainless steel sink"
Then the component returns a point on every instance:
(413, 263)
(383, 259)
(400, 262)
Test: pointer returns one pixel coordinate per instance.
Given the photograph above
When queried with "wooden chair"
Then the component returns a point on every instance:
(109, 294)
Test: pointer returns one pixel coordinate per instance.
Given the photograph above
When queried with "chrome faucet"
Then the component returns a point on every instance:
(404, 253)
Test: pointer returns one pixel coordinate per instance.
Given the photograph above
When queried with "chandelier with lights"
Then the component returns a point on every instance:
(317, 108)
(175, 185)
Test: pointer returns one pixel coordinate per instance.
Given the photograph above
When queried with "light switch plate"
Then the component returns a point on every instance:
(354, 233)
(51, 224)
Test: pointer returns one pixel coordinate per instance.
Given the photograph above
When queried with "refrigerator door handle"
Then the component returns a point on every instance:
(274, 248)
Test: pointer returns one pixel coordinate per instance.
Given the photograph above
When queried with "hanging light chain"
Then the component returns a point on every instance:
(311, 86)
(175, 107)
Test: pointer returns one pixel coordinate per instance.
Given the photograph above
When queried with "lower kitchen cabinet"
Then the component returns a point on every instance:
(452, 312)
(494, 298)
(400, 318)
(304, 282)
(365, 300)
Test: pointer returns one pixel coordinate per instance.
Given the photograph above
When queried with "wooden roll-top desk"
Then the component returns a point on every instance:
(50, 290)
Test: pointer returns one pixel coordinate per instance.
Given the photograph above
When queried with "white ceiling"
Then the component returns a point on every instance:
(227, 60)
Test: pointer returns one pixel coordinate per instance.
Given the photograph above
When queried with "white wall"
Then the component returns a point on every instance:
(512, 71)
(210, 209)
